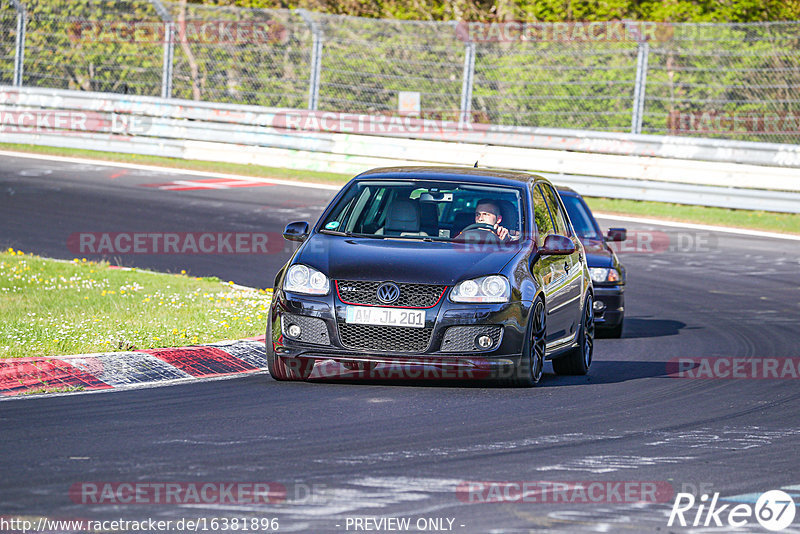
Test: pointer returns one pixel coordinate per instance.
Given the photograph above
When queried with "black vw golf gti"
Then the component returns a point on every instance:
(460, 268)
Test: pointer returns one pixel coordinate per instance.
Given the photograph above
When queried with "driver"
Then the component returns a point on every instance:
(488, 212)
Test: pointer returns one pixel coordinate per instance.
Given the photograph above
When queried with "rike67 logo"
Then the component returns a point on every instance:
(774, 510)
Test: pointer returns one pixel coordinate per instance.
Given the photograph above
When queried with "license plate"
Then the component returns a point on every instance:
(385, 316)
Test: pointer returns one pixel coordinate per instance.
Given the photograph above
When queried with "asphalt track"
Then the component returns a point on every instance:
(346, 449)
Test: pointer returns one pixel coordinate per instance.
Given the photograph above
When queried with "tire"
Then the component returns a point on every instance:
(531, 364)
(578, 360)
(282, 368)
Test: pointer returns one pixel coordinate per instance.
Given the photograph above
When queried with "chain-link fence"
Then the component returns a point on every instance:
(244, 56)
(8, 41)
(738, 81)
(735, 81)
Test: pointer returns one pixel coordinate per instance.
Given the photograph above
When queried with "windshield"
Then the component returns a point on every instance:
(422, 209)
(582, 220)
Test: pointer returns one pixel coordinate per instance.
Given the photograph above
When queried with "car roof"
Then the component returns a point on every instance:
(568, 190)
(465, 174)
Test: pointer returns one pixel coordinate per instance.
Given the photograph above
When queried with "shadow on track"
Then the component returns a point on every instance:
(602, 372)
(636, 327)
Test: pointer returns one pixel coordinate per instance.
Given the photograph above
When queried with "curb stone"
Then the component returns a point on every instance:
(109, 370)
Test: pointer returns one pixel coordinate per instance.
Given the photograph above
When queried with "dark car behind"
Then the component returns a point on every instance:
(608, 274)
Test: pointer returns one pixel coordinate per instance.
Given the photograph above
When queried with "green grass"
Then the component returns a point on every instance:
(53, 389)
(50, 308)
(756, 220)
(759, 220)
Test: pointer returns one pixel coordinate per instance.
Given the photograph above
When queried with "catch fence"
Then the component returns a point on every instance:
(728, 81)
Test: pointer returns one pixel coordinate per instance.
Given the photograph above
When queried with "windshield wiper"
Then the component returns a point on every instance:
(350, 234)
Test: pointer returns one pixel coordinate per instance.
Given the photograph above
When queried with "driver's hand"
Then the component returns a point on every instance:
(501, 231)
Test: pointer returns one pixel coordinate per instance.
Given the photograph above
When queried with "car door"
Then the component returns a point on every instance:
(572, 264)
(551, 271)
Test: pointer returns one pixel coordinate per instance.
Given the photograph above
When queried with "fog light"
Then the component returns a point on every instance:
(293, 330)
(484, 342)
(599, 306)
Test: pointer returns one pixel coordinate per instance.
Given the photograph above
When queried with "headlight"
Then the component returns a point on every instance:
(487, 289)
(306, 280)
(603, 274)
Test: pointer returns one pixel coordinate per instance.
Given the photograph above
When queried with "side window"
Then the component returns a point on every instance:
(369, 222)
(561, 225)
(544, 224)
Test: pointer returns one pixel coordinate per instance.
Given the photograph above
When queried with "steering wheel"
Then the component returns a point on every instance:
(488, 228)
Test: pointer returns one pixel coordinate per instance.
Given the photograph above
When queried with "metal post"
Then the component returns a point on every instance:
(169, 50)
(639, 88)
(316, 59)
(19, 52)
(466, 84)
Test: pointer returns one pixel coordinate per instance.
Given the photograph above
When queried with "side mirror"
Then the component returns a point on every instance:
(557, 245)
(617, 234)
(296, 231)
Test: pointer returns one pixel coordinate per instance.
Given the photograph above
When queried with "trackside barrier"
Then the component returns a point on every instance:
(732, 174)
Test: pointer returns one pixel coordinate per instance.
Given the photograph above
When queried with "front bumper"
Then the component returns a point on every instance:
(612, 299)
(446, 340)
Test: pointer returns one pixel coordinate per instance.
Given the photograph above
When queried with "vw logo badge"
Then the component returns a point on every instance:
(388, 292)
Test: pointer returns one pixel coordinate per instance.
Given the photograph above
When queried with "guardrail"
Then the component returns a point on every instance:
(731, 174)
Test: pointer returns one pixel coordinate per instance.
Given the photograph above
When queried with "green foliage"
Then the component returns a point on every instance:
(545, 10)
(84, 46)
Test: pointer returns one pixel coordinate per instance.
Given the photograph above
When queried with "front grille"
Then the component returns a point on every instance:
(411, 295)
(385, 338)
(462, 338)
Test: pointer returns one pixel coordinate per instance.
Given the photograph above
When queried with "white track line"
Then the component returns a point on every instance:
(104, 163)
(289, 183)
(708, 227)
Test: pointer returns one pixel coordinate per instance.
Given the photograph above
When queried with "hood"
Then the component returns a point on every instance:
(403, 260)
(598, 253)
